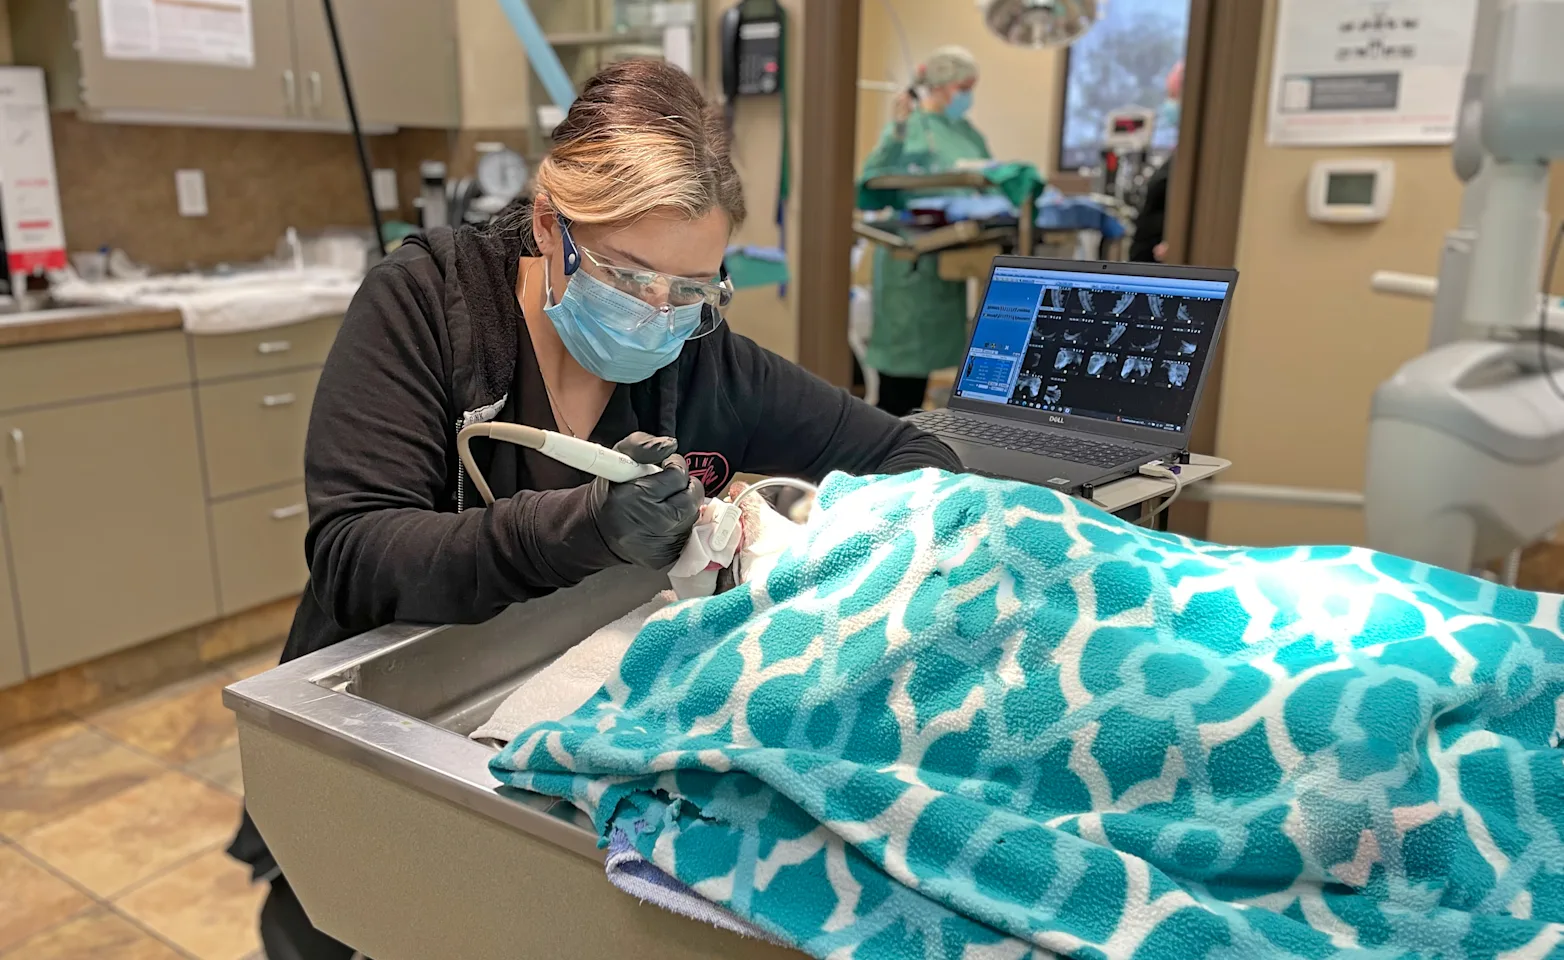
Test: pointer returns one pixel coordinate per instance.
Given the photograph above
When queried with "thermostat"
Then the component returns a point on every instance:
(1351, 191)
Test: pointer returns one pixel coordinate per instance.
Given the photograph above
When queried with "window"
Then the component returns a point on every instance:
(1123, 60)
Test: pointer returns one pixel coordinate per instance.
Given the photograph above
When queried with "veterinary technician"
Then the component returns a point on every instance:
(920, 321)
(597, 311)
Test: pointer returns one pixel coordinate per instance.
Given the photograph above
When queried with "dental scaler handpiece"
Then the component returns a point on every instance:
(584, 455)
(589, 457)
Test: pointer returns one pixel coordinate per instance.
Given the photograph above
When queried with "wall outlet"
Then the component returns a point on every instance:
(384, 182)
(190, 186)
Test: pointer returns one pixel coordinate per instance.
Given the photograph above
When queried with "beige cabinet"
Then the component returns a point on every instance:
(254, 430)
(401, 53)
(149, 483)
(260, 546)
(11, 668)
(67, 40)
(401, 57)
(263, 351)
(107, 525)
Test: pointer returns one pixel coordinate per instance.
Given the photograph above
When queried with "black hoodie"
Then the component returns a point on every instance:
(435, 340)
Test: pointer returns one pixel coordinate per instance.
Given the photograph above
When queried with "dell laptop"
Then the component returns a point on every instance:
(1079, 372)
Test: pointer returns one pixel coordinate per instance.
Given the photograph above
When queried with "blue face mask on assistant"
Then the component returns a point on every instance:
(960, 103)
(613, 335)
(1168, 116)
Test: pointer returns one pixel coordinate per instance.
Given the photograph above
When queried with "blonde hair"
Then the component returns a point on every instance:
(640, 138)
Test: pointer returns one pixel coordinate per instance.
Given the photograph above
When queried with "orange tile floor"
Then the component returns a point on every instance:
(112, 828)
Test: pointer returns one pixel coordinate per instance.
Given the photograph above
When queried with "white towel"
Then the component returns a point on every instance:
(694, 574)
(562, 687)
(254, 300)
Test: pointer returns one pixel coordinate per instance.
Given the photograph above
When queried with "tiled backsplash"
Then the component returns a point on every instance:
(117, 185)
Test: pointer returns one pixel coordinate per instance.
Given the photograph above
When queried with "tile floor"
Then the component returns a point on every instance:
(112, 828)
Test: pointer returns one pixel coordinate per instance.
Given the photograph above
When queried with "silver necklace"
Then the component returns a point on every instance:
(559, 416)
(554, 405)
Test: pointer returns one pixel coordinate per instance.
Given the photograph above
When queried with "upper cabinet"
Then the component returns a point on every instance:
(400, 53)
(401, 56)
(155, 86)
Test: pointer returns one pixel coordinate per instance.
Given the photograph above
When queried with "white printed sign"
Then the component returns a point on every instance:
(1365, 72)
(29, 193)
(218, 32)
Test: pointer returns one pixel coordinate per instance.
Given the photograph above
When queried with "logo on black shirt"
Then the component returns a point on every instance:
(711, 469)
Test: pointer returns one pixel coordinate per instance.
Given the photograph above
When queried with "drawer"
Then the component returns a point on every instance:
(253, 430)
(260, 547)
(49, 373)
(263, 351)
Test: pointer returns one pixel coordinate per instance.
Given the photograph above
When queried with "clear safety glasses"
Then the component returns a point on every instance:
(691, 308)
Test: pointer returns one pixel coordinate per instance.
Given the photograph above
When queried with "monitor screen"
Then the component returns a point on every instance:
(1120, 348)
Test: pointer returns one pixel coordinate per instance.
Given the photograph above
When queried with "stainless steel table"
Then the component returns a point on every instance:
(384, 816)
(386, 821)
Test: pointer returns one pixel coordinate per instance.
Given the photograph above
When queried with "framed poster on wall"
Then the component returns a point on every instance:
(1369, 72)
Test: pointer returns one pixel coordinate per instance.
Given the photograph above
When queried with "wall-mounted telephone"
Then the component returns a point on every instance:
(752, 49)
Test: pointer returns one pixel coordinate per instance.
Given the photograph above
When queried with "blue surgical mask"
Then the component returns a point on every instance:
(603, 329)
(960, 103)
(1168, 116)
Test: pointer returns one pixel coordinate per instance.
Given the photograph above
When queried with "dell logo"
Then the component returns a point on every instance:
(1053, 419)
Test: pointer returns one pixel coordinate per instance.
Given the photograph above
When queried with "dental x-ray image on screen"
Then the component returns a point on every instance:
(1069, 360)
(1135, 369)
(1101, 363)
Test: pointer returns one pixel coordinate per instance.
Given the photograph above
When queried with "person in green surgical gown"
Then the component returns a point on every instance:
(920, 321)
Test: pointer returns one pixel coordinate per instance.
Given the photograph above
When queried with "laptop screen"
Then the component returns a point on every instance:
(1109, 347)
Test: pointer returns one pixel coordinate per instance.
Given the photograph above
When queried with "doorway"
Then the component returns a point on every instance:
(858, 53)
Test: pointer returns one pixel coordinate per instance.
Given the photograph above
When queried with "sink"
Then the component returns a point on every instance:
(388, 824)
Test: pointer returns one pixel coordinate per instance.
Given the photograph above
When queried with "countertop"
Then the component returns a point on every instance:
(78, 323)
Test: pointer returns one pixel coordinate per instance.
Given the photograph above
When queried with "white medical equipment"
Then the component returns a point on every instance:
(584, 455)
(1129, 129)
(728, 523)
(1351, 191)
(1126, 154)
(1040, 23)
(1466, 443)
(1023, 23)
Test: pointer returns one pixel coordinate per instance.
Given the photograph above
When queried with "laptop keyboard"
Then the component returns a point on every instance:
(1063, 446)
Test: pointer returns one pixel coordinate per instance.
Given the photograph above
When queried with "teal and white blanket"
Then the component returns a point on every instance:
(965, 718)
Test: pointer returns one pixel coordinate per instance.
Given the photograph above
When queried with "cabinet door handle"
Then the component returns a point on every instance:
(18, 449)
(274, 346)
(289, 92)
(315, 89)
(285, 513)
(278, 399)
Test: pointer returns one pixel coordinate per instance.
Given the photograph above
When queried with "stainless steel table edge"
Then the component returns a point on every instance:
(300, 700)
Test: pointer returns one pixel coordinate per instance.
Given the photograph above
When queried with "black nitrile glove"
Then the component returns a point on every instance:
(647, 521)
